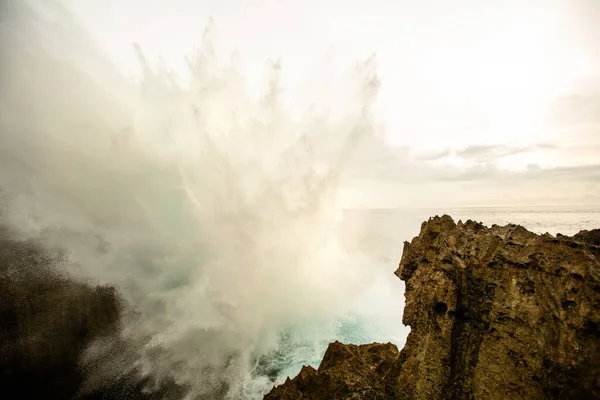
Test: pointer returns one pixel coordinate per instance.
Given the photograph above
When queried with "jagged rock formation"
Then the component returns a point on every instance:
(359, 370)
(495, 313)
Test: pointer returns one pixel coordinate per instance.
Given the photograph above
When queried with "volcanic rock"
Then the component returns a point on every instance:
(495, 313)
(346, 370)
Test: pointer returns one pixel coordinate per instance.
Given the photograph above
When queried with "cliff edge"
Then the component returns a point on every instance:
(495, 313)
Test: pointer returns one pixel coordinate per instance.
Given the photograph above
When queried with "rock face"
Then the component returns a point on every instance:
(46, 323)
(495, 313)
(346, 372)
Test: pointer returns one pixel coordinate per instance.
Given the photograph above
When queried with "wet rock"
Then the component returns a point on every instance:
(346, 372)
(495, 313)
(47, 322)
(590, 237)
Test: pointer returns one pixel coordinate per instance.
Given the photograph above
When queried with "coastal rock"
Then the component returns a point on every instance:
(495, 313)
(346, 372)
(47, 323)
(590, 237)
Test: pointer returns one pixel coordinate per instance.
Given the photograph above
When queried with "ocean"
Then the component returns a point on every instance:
(380, 233)
(213, 213)
(384, 230)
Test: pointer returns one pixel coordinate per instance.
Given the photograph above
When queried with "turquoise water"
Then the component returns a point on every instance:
(212, 211)
(382, 233)
(297, 347)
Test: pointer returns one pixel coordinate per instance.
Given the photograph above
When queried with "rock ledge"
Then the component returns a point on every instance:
(495, 313)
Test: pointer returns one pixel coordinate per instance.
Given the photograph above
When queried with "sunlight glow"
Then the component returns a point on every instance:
(486, 76)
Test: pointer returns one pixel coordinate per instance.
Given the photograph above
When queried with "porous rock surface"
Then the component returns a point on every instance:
(495, 313)
(346, 372)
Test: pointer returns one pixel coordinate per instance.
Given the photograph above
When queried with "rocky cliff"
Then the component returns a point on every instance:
(495, 313)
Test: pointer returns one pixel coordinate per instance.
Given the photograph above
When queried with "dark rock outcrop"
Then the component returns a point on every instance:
(495, 313)
(47, 322)
(345, 369)
(590, 237)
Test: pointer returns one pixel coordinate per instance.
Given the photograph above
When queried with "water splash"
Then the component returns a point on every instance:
(214, 213)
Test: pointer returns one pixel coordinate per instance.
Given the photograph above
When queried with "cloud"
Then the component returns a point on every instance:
(430, 155)
(494, 175)
(482, 185)
(489, 153)
(585, 173)
(415, 167)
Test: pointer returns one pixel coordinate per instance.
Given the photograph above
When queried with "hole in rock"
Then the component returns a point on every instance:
(440, 308)
(568, 304)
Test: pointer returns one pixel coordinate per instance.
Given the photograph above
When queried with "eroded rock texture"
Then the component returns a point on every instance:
(346, 372)
(495, 313)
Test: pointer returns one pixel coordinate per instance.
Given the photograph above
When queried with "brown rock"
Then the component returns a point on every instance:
(346, 372)
(498, 313)
(495, 313)
(589, 237)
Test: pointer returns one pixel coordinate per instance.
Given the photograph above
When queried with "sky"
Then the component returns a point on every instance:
(484, 102)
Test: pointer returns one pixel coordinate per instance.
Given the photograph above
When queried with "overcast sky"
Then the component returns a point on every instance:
(485, 102)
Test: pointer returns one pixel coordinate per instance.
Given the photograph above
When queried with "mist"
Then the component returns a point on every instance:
(215, 213)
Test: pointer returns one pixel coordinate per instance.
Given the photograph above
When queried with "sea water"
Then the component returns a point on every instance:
(382, 231)
(215, 213)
